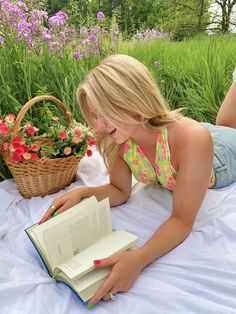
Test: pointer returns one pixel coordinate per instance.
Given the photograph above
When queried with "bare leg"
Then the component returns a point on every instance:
(227, 114)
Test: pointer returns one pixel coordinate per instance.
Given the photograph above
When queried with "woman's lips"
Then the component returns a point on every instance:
(112, 132)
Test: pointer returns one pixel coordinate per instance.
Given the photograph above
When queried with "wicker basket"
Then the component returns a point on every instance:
(42, 178)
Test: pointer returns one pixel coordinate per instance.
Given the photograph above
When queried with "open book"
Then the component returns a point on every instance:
(70, 242)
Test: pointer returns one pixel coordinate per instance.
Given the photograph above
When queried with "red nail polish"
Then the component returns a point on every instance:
(97, 261)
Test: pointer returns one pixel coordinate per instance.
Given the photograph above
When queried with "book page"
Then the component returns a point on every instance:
(75, 211)
(39, 249)
(72, 236)
(83, 262)
(88, 284)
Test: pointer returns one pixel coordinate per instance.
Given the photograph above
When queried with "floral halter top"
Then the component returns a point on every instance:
(162, 173)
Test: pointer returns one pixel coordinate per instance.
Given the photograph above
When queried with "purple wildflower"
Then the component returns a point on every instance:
(92, 37)
(100, 16)
(83, 31)
(59, 19)
(105, 33)
(77, 55)
(96, 29)
(46, 34)
(2, 41)
(22, 5)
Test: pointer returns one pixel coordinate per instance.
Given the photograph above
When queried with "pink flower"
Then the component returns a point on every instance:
(62, 135)
(135, 162)
(10, 118)
(5, 146)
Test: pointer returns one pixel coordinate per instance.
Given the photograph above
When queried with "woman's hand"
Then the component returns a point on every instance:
(126, 267)
(63, 203)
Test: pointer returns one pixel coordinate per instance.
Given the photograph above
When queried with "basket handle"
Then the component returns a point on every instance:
(35, 100)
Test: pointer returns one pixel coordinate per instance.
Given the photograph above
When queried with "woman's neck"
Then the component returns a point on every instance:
(144, 138)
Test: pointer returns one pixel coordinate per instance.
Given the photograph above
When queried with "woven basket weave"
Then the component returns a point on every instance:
(37, 178)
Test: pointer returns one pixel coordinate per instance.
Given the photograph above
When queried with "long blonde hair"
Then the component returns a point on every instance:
(120, 84)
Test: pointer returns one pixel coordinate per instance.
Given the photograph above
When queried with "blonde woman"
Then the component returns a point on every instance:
(138, 134)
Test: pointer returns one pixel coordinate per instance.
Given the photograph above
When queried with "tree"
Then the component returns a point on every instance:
(222, 15)
(184, 18)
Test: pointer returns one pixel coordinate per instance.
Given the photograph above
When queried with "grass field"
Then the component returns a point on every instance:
(193, 74)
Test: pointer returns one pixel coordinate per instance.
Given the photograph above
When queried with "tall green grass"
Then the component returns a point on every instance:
(193, 74)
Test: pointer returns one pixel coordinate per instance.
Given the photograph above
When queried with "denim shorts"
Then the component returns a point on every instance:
(224, 164)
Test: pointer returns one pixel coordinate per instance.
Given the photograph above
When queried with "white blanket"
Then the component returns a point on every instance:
(199, 276)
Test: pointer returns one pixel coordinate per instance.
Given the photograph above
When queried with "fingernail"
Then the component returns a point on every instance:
(90, 306)
(40, 222)
(97, 261)
(56, 214)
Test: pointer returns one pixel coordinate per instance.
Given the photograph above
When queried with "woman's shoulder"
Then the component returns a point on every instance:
(186, 132)
(185, 128)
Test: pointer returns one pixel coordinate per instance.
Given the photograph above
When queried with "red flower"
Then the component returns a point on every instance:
(4, 129)
(91, 143)
(31, 130)
(62, 135)
(34, 157)
(77, 132)
(19, 151)
(16, 158)
(17, 140)
(89, 153)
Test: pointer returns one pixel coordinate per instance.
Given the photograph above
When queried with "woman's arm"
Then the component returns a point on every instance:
(227, 113)
(194, 170)
(118, 191)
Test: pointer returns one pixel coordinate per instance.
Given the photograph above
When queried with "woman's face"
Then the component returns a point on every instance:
(119, 132)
